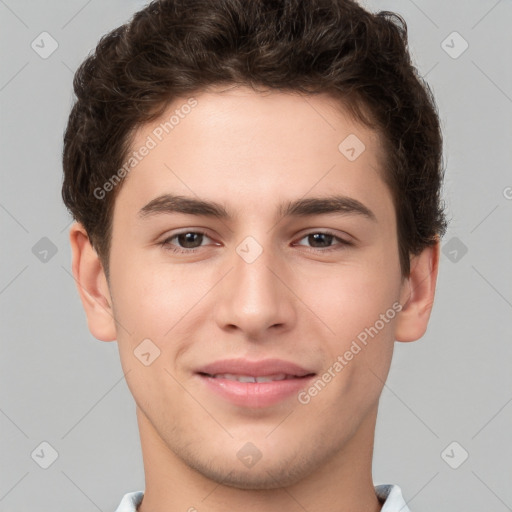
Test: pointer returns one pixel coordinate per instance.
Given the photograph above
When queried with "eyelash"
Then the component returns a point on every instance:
(174, 249)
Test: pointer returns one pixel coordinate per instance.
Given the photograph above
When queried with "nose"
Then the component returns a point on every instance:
(256, 297)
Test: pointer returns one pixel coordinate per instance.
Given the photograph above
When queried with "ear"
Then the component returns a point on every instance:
(92, 285)
(417, 295)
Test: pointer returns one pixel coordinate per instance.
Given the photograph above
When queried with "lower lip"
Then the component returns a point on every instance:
(256, 394)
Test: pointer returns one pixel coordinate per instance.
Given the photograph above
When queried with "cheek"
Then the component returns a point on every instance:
(159, 302)
(147, 297)
(351, 298)
(356, 303)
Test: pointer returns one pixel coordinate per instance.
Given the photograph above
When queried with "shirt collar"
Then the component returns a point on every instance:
(390, 495)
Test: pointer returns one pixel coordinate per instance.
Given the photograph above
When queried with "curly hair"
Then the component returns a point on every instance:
(173, 48)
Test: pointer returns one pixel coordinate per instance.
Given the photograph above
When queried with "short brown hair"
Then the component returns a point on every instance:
(172, 48)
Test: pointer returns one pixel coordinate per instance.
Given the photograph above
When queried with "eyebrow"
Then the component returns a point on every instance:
(333, 204)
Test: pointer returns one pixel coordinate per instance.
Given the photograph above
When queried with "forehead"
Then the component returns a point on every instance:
(245, 147)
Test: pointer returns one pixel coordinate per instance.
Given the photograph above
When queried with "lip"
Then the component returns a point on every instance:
(255, 394)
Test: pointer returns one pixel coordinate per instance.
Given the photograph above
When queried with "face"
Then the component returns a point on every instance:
(292, 274)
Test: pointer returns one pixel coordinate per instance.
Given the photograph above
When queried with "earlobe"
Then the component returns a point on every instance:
(92, 285)
(417, 295)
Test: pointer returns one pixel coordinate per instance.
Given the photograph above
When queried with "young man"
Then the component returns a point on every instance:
(256, 189)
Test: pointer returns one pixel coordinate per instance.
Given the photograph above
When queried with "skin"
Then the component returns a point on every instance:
(251, 151)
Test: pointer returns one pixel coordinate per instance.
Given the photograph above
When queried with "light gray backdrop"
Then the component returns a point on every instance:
(448, 395)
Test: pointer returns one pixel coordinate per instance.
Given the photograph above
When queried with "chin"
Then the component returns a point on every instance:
(265, 474)
(246, 479)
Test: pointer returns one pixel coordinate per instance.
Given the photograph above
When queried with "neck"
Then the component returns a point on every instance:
(342, 484)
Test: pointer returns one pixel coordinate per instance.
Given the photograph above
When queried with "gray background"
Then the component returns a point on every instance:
(60, 385)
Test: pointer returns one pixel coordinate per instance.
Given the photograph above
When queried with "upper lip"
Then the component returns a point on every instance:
(262, 368)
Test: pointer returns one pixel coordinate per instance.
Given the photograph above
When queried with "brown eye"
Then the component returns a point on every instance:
(185, 242)
(189, 240)
(324, 241)
(320, 238)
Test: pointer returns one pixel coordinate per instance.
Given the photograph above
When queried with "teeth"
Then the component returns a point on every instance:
(248, 378)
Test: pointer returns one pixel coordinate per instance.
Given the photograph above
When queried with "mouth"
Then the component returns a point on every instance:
(254, 384)
(251, 378)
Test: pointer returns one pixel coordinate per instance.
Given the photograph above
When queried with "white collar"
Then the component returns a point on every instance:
(391, 495)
